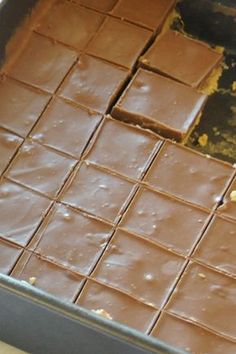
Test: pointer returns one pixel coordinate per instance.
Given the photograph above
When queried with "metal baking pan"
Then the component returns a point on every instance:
(40, 323)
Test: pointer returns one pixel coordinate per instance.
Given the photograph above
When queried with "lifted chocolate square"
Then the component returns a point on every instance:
(228, 208)
(218, 246)
(139, 268)
(182, 58)
(147, 13)
(93, 83)
(190, 337)
(158, 103)
(98, 192)
(20, 106)
(70, 24)
(115, 305)
(165, 221)
(119, 42)
(190, 176)
(48, 276)
(74, 124)
(47, 69)
(206, 297)
(40, 168)
(9, 255)
(21, 212)
(123, 148)
(71, 239)
(102, 6)
(9, 144)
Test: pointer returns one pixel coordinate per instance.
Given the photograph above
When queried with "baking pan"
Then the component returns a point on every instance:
(40, 323)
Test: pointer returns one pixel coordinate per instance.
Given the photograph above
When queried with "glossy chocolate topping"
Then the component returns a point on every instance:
(93, 83)
(130, 144)
(20, 106)
(193, 60)
(206, 297)
(74, 124)
(119, 42)
(139, 268)
(228, 208)
(118, 306)
(48, 276)
(189, 175)
(98, 192)
(70, 24)
(190, 337)
(21, 212)
(46, 69)
(9, 144)
(9, 255)
(217, 247)
(71, 239)
(160, 104)
(147, 13)
(160, 219)
(101, 5)
(40, 168)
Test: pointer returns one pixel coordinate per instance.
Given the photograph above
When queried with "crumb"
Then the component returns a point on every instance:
(201, 275)
(233, 196)
(203, 139)
(219, 49)
(103, 313)
(144, 61)
(32, 280)
(234, 86)
(87, 163)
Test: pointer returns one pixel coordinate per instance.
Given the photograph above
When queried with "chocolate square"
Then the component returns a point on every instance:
(71, 239)
(47, 69)
(119, 42)
(182, 58)
(74, 124)
(139, 268)
(98, 192)
(9, 255)
(228, 208)
(218, 246)
(190, 176)
(123, 148)
(165, 220)
(93, 83)
(206, 297)
(40, 168)
(70, 24)
(48, 276)
(102, 6)
(9, 143)
(20, 106)
(21, 212)
(115, 305)
(160, 104)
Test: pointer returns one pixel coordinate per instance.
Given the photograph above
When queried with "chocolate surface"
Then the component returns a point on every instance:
(139, 268)
(48, 276)
(189, 175)
(20, 106)
(103, 6)
(193, 60)
(206, 297)
(217, 247)
(40, 168)
(190, 337)
(9, 144)
(9, 255)
(117, 143)
(93, 83)
(21, 212)
(70, 24)
(120, 307)
(74, 124)
(160, 104)
(147, 13)
(98, 192)
(228, 208)
(119, 42)
(160, 219)
(47, 69)
(71, 239)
